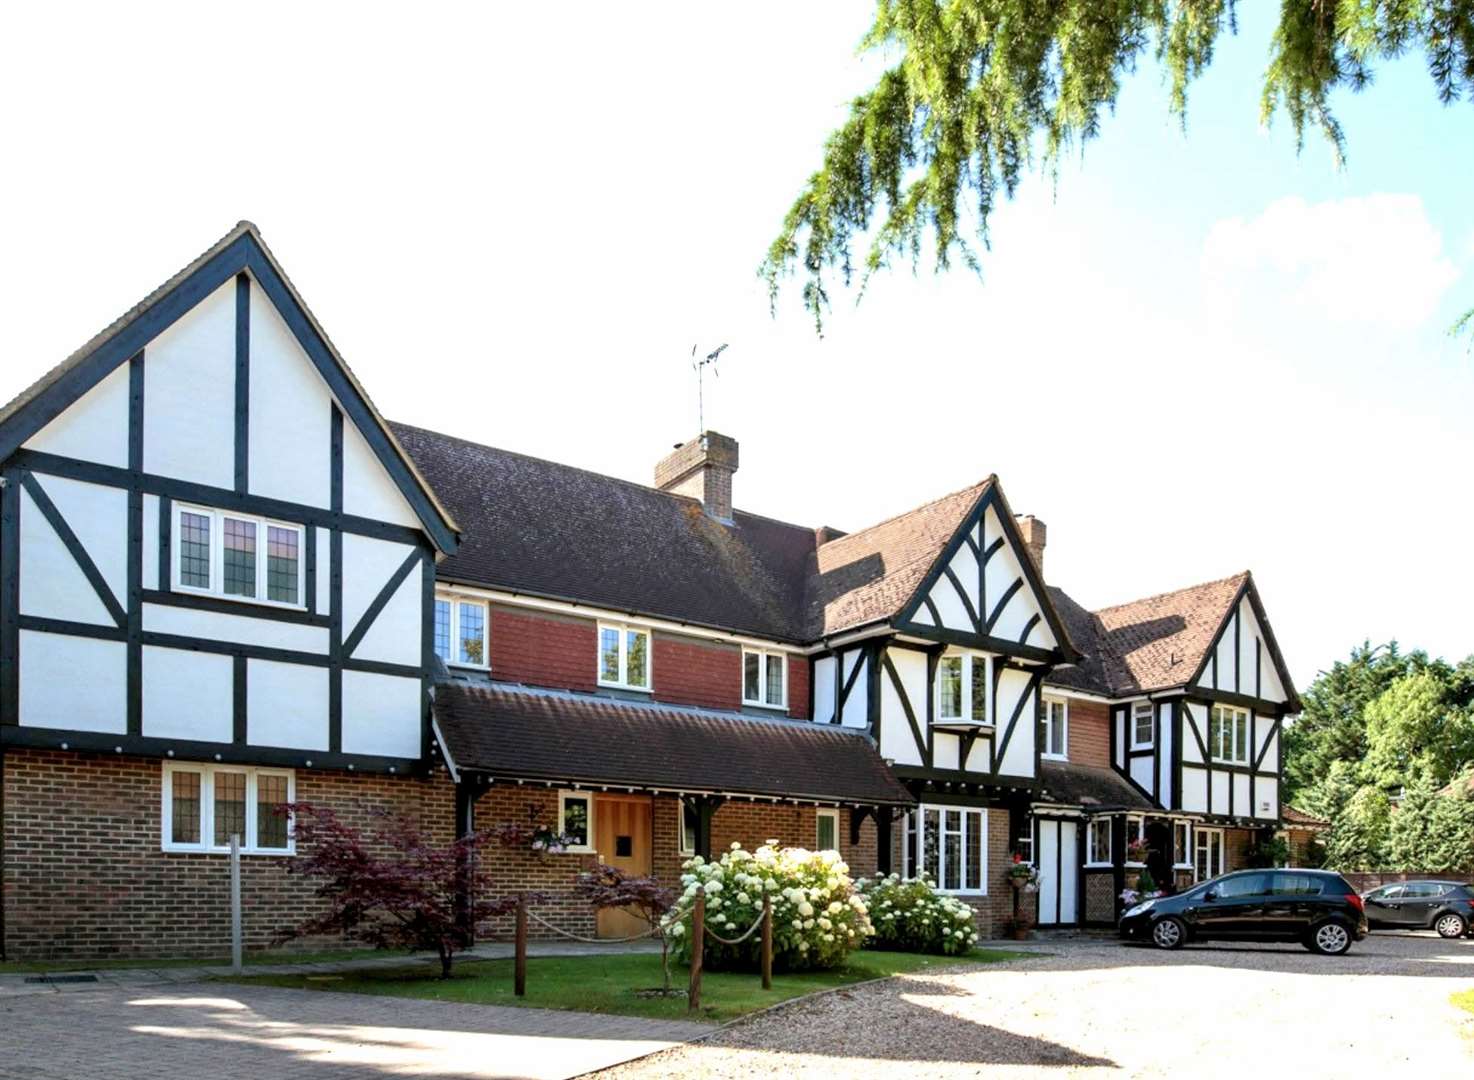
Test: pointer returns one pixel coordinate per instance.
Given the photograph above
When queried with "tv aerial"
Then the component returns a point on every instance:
(699, 366)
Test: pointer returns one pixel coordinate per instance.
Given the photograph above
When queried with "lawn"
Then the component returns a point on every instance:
(608, 984)
(259, 959)
(1464, 1000)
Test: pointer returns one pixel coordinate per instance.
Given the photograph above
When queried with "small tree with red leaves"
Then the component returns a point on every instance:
(644, 897)
(389, 886)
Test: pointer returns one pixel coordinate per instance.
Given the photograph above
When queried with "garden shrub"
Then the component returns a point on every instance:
(818, 917)
(910, 915)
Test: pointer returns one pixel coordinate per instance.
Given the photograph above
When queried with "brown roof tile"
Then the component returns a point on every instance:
(1094, 787)
(520, 733)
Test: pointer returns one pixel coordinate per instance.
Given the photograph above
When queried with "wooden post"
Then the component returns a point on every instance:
(519, 963)
(698, 950)
(767, 940)
(236, 959)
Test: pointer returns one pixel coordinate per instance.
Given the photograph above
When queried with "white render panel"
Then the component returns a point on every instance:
(1141, 771)
(287, 705)
(1004, 568)
(1118, 721)
(1018, 755)
(896, 740)
(1194, 718)
(324, 570)
(1266, 796)
(1194, 789)
(823, 683)
(381, 714)
(944, 750)
(945, 596)
(189, 394)
(290, 445)
(1241, 805)
(1247, 646)
(235, 629)
(1218, 782)
(368, 490)
(368, 564)
(150, 544)
(394, 636)
(977, 757)
(856, 705)
(99, 517)
(92, 428)
(910, 667)
(1164, 755)
(54, 692)
(52, 585)
(1271, 762)
(1270, 687)
(188, 695)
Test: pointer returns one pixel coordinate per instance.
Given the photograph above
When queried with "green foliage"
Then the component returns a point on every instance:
(1358, 836)
(1270, 851)
(911, 916)
(980, 85)
(1417, 729)
(1432, 831)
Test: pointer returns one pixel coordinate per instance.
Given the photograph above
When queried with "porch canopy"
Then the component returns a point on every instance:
(499, 732)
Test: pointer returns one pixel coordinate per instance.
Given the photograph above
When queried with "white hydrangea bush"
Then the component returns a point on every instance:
(909, 914)
(818, 916)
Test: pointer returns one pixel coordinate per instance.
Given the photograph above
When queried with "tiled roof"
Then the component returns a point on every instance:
(517, 733)
(1301, 819)
(1094, 787)
(869, 575)
(1085, 634)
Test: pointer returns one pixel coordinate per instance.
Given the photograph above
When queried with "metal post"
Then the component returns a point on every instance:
(698, 950)
(519, 968)
(236, 960)
(767, 940)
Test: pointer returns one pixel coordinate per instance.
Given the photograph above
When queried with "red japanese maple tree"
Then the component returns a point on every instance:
(389, 886)
(610, 887)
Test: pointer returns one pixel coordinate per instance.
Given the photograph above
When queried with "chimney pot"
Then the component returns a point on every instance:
(1034, 535)
(702, 469)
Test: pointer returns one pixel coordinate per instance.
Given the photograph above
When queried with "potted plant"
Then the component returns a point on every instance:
(1022, 876)
(1018, 926)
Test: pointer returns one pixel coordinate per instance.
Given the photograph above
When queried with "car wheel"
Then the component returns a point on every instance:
(1330, 939)
(1450, 925)
(1169, 933)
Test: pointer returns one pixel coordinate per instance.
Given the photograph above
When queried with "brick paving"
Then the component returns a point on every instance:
(183, 1031)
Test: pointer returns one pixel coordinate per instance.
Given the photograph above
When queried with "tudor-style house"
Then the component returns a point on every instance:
(226, 583)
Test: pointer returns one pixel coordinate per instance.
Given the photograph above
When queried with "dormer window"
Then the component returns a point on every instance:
(962, 689)
(624, 657)
(764, 679)
(220, 553)
(460, 631)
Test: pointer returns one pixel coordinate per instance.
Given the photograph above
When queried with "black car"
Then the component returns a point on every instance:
(1445, 906)
(1314, 907)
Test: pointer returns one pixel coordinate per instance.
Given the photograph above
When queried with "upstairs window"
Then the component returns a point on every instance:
(764, 679)
(1143, 715)
(1228, 735)
(624, 657)
(1054, 720)
(205, 805)
(962, 688)
(460, 631)
(221, 553)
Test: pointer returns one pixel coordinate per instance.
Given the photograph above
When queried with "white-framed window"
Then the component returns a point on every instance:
(1135, 831)
(1054, 728)
(1209, 853)
(962, 688)
(1098, 842)
(949, 845)
(826, 830)
(690, 823)
(1228, 735)
(205, 805)
(1182, 845)
(624, 656)
(238, 556)
(460, 631)
(764, 679)
(1143, 713)
(576, 819)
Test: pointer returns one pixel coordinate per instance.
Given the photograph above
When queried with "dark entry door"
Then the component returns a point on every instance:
(1159, 861)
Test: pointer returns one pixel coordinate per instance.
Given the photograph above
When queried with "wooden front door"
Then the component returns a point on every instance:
(623, 838)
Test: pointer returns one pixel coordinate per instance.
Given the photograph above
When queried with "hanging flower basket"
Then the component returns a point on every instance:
(1022, 876)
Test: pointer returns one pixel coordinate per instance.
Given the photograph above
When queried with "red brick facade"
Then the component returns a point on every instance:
(543, 649)
(85, 876)
(1089, 732)
(690, 671)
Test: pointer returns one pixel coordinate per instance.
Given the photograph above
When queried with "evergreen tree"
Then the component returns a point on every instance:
(979, 85)
(1417, 731)
(1357, 839)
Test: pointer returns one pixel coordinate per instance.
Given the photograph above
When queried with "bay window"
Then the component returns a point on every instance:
(460, 631)
(205, 805)
(1054, 719)
(949, 846)
(764, 679)
(624, 657)
(238, 556)
(962, 688)
(1228, 735)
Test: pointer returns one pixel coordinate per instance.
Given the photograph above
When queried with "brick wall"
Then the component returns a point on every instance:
(543, 649)
(85, 877)
(690, 671)
(1090, 732)
(991, 910)
(798, 687)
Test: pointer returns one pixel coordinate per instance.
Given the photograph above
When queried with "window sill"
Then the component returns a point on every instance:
(230, 598)
(465, 667)
(275, 853)
(622, 686)
(1182, 866)
(1054, 757)
(1100, 866)
(764, 705)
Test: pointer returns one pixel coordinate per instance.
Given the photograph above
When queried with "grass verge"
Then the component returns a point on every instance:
(610, 984)
(261, 959)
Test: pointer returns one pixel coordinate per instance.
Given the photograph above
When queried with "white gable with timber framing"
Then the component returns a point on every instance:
(203, 514)
(1244, 660)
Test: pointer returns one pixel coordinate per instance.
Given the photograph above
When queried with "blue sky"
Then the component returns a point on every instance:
(1196, 354)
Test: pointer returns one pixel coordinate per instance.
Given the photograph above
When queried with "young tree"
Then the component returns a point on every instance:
(978, 84)
(610, 887)
(390, 887)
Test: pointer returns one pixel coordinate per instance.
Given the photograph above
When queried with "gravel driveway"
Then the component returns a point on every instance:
(1096, 1007)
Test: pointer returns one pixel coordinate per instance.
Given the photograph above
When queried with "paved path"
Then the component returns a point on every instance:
(1095, 1008)
(213, 1030)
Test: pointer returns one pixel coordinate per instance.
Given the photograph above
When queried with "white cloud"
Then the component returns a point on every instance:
(1371, 260)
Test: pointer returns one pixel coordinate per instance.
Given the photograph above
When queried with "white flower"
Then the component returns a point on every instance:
(806, 909)
(677, 930)
(803, 946)
(835, 906)
(828, 937)
(743, 898)
(798, 924)
(808, 924)
(825, 924)
(736, 845)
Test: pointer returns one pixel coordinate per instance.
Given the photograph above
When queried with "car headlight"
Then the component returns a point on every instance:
(1145, 905)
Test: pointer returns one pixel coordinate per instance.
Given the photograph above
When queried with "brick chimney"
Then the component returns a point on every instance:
(702, 469)
(1033, 532)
